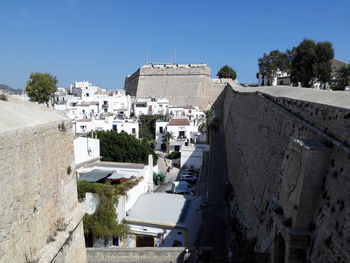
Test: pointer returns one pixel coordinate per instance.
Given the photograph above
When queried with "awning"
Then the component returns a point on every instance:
(116, 176)
(94, 175)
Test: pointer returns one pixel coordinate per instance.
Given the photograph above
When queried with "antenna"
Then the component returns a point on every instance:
(175, 56)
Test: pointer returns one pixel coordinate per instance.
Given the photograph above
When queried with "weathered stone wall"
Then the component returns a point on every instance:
(181, 84)
(144, 254)
(40, 218)
(260, 125)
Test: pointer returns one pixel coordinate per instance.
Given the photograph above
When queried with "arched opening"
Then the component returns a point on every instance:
(280, 249)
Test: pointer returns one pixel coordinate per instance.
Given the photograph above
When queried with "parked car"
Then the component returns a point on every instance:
(191, 181)
(189, 176)
(183, 192)
(182, 185)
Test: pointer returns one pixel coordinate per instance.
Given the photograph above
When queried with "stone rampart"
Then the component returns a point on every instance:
(288, 160)
(40, 219)
(181, 84)
(144, 254)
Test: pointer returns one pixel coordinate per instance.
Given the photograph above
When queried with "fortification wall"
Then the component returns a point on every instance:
(182, 84)
(270, 168)
(40, 219)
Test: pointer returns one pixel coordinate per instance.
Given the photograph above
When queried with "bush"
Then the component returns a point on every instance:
(3, 97)
(174, 155)
(122, 147)
(103, 222)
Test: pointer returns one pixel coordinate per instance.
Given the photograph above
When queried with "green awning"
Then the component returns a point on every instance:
(94, 175)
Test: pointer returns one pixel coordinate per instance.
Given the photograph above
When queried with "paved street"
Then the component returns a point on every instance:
(214, 218)
(169, 179)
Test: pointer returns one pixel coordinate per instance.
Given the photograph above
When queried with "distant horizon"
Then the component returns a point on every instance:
(104, 42)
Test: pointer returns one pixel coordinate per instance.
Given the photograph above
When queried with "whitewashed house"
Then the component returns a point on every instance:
(149, 226)
(145, 106)
(99, 172)
(85, 126)
(184, 132)
(280, 78)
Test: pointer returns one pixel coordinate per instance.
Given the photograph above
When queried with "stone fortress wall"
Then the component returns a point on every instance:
(288, 156)
(188, 84)
(40, 218)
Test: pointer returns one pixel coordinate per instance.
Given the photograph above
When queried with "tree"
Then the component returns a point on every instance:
(166, 139)
(227, 72)
(275, 61)
(206, 122)
(343, 76)
(41, 87)
(148, 125)
(122, 147)
(311, 62)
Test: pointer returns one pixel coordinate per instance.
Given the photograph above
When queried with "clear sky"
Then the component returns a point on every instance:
(103, 41)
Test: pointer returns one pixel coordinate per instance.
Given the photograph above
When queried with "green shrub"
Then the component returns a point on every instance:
(3, 97)
(122, 147)
(174, 155)
(103, 222)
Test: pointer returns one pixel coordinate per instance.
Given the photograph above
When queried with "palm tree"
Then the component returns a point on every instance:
(343, 76)
(206, 121)
(166, 139)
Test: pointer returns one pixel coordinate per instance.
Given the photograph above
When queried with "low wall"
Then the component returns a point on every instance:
(126, 255)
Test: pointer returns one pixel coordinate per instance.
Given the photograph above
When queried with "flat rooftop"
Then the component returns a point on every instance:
(161, 209)
(332, 98)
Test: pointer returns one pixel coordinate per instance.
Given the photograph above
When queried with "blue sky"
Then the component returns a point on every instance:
(104, 41)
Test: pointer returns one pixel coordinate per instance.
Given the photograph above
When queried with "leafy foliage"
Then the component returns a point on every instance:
(343, 77)
(122, 147)
(103, 222)
(227, 72)
(273, 62)
(166, 139)
(174, 155)
(41, 87)
(3, 97)
(148, 125)
(311, 62)
(206, 122)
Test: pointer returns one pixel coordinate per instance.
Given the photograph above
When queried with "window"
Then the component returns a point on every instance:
(179, 233)
(160, 129)
(133, 130)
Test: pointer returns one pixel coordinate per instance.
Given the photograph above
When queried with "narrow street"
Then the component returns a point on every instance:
(214, 218)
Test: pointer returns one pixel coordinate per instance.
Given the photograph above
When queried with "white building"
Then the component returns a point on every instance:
(86, 149)
(185, 132)
(280, 78)
(144, 106)
(83, 89)
(191, 157)
(112, 171)
(150, 226)
(85, 126)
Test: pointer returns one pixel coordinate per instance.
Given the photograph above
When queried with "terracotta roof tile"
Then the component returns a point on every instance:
(182, 122)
